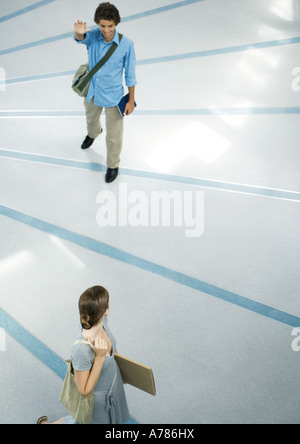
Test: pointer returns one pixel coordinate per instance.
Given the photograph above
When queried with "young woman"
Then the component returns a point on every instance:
(94, 364)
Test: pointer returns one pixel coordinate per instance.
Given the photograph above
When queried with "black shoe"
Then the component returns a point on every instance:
(88, 141)
(111, 174)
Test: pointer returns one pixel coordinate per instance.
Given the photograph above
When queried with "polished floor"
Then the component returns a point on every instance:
(207, 292)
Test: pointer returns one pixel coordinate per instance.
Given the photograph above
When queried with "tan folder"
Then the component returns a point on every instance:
(136, 374)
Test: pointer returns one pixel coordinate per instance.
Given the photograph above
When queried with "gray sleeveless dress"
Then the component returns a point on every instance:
(110, 401)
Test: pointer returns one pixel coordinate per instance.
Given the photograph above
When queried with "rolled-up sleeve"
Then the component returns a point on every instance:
(129, 66)
(87, 40)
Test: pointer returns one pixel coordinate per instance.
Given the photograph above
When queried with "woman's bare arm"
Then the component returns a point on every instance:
(87, 380)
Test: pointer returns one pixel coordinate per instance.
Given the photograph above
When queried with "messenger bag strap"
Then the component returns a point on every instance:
(100, 64)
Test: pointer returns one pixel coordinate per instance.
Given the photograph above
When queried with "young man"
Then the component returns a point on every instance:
(106, 88)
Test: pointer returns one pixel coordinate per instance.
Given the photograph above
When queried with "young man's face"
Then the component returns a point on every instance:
(107, 29)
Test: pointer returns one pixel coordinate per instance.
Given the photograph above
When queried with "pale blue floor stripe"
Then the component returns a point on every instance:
(125, 19)
(34, 345)
(220, 111)
(176, 57)
(160, 10)
(161, 112)
(25, 10)
(221, 51)
(36, 77)
(135, 261)
(36, 43)
(44, 113)
(222, 186)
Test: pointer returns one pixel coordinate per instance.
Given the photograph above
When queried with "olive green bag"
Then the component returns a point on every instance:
(81, 408)
(83, 76)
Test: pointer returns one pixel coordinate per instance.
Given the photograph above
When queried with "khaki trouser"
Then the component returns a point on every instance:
(114, 130)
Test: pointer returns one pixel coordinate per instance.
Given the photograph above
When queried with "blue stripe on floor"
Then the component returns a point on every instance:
(135, 261)
(125, 19)
(163, 59)
(222, 186)
(25, 10)
(34, 345)
(220, 111)
(35, 77)
(36, 43)
(159, 10)
(221, 51)
(161, 112)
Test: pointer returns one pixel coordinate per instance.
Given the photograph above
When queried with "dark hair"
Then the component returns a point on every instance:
(107, 11)
(92, 305)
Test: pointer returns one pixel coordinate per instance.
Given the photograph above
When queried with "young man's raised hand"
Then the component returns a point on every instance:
(80, 28)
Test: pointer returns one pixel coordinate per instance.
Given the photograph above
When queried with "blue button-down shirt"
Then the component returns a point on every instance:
(107, 84)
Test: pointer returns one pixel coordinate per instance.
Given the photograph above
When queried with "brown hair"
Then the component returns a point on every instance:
(107, 11)
(92, 305)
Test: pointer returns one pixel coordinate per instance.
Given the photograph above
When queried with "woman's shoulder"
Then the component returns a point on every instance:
(82, 356)
(81, 347)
